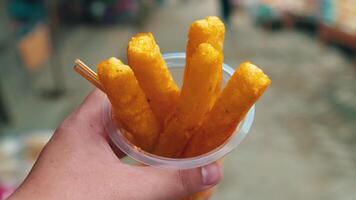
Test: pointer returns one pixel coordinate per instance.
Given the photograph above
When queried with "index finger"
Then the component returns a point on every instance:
(87, 120)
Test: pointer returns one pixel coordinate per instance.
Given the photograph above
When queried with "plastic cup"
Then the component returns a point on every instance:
(176, 63)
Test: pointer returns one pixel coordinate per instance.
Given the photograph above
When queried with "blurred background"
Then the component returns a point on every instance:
(303, 142)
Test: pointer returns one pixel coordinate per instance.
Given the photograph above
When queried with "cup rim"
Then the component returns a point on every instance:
(116, 136)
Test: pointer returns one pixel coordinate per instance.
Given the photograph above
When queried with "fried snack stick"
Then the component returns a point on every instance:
(145, 59)
(200, 79)
(243, 89)
(129, 103)
(209, 30)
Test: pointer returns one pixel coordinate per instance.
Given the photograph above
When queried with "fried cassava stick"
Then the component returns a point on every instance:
(243, 89)
(201, 77)
(129, 103)
(145, 59)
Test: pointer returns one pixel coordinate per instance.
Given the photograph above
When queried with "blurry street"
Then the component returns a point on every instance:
(302, 144)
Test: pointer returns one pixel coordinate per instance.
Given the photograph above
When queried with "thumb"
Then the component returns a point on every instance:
(176, 184)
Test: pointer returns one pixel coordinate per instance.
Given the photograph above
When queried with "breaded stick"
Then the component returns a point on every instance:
(243, 89)
(209, 30)
(200, 80)
(150, 69)
(129, 103)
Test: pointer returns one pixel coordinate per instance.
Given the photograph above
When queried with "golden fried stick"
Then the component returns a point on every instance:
(129, 103)
(200, 79)
(145, 59)
(243, 89)
(209, 30)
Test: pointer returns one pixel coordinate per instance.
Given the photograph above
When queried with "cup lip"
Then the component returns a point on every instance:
(147, 158)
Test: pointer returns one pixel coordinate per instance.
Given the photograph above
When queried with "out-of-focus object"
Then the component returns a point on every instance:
(104, 11)
(33, 145)
(6, 191)
(288, 12)
(9, 156)
(302, 8)
(340, 14)
(26, 14)
(334, 20)
(327, 12)
(17, 156)
(4, 114)
(29, 19)
(226, 10)
(346, 16)
(338, 22)
(35, 47)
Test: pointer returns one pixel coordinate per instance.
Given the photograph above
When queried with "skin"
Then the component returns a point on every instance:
(79, 163)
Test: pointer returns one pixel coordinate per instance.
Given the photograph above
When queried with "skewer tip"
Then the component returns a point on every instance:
(77, 61)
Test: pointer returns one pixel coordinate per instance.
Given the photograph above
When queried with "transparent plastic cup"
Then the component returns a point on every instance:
(175, 63)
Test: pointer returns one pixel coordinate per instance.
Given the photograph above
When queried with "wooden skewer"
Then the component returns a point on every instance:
(87, 73)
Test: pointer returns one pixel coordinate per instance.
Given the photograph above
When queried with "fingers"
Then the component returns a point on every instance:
(84, 129)
(177, 184)
(91, 109)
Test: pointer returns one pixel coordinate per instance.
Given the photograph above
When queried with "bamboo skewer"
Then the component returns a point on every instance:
(87, 73)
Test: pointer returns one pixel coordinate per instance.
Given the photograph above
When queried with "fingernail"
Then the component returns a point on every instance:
(211, 174)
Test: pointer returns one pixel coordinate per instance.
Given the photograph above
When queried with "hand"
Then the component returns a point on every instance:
(78, 163)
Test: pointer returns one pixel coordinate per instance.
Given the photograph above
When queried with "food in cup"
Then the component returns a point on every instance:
(201, 78)
(243, 89)
(162, 120)
(201, 85)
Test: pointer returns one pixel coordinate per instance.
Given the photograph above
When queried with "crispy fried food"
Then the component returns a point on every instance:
(197, 95)
(129, 103)
(243, 89)
(145, 59)
(209, 30)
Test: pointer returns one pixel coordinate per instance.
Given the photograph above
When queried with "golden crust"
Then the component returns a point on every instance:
(146, 61)
(209, 30)
(243, 89)
(197, 95)
(129, 103)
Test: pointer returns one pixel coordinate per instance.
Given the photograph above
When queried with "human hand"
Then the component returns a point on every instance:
(79, 163)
